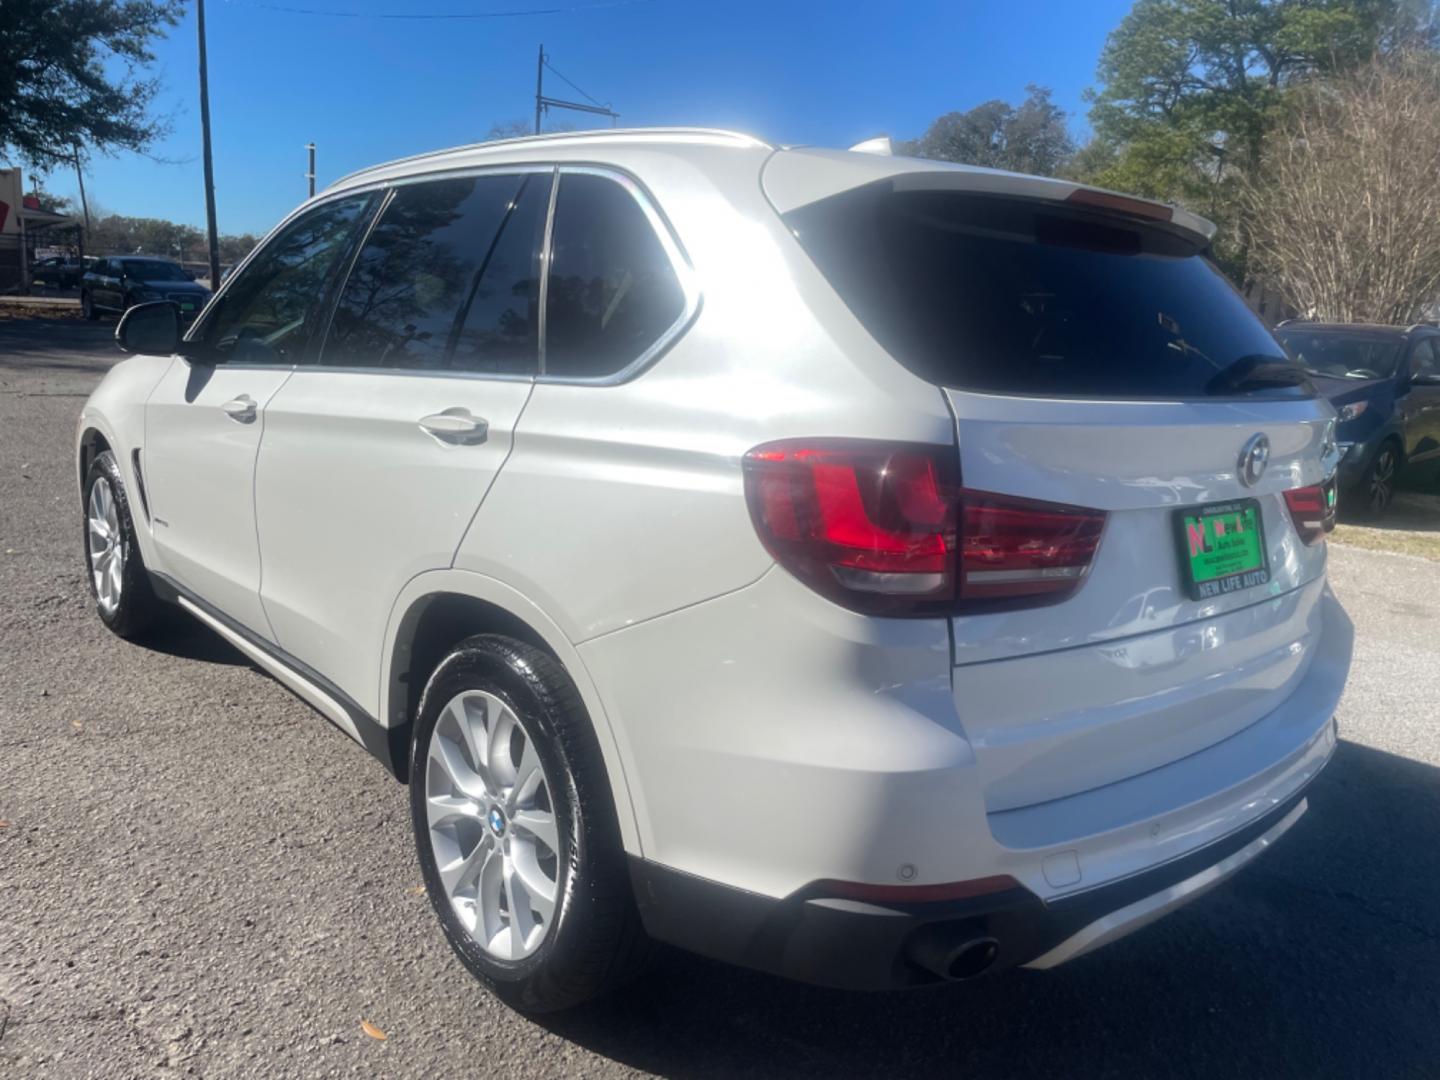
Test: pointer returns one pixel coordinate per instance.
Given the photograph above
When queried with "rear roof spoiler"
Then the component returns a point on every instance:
(793, 178)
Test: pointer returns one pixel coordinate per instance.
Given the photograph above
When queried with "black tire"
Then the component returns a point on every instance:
(595, 942)
(87, 307)
(138, 609)
(1376, 491)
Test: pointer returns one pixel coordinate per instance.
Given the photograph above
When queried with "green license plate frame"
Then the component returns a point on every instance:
(1222, 548)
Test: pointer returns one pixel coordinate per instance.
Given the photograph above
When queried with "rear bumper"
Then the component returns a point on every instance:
(850, 944)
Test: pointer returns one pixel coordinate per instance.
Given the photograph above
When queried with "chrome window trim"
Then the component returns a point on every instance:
(545, 241)
(679, 261)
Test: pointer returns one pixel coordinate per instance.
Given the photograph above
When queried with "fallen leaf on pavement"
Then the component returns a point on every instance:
(371, 1030)
(415, 890)
(77, 725)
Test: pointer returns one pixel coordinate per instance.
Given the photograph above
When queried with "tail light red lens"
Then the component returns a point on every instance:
(1016, 547)
(885, 529)
(1313, 510)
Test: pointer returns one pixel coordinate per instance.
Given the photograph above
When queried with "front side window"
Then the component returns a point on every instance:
(447, 280)
(269, 313)
(613, 291)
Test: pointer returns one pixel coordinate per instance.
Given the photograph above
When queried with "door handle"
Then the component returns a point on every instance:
(456, 426)
(240, 409)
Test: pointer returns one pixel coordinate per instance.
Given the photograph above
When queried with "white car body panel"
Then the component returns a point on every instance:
(199, 476)
(354, 500)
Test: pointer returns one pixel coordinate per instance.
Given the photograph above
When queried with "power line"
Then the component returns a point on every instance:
(438, 14)
(570, 84)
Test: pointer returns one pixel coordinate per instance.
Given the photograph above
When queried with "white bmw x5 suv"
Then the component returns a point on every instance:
(867, 570)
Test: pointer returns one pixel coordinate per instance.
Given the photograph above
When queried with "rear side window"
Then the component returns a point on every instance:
(1022, 297)
(613, 291)
(447, 280)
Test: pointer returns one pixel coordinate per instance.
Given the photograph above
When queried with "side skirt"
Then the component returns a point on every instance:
(388, 745)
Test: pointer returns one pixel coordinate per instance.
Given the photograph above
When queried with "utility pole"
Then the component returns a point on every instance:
(80, 179)
(539, 87)
(543, 103)
(310, 176)
(205, 149)
(84, 205)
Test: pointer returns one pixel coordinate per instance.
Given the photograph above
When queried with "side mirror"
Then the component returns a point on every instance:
(150, 329)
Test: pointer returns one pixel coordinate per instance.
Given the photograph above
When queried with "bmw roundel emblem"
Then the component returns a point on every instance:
(497, 820)
(1254, 456)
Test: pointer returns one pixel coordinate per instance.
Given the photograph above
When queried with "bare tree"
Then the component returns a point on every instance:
(1344, 216)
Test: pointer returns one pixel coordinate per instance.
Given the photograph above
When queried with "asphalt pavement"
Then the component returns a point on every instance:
(200, 876)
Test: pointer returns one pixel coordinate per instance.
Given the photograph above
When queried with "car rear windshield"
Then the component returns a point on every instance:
(1014, 296)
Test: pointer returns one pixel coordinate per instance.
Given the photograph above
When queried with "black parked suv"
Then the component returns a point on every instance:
(1384, 381)
(119, 282)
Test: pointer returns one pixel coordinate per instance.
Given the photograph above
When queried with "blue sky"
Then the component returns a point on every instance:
(368, 89)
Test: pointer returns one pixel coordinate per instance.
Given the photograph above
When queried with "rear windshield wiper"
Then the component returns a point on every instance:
(1256, 372)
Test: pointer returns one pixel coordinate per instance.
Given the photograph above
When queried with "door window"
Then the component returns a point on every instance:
(447, 280)
(613, 291)
(270, 312)
(1425, 360)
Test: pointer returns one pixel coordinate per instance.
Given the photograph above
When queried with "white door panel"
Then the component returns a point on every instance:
(365, 480)
(202, 431)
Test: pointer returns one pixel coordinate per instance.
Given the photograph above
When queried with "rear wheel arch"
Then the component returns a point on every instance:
(428, 630)
(438, 611)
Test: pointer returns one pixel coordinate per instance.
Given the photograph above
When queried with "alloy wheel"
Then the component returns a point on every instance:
(1382, 480)
(492, 825)
(107, 548)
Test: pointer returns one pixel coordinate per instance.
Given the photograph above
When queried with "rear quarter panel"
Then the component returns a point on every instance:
(621, 503)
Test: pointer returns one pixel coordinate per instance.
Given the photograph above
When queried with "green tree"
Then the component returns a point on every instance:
(69, 76)
(1030, 137)
(1192, 88)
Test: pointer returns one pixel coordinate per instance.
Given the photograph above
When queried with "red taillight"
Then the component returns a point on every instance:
(885, 529)
(1016, 547)
(1313, 510)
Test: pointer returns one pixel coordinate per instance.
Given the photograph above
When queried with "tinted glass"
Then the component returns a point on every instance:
(1426, 359)
(1017, 297)
(613, 290)
(1343, 354)
(269, 312)
(447, 279)
(152, 270)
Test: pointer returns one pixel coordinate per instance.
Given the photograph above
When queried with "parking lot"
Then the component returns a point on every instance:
(200, 876)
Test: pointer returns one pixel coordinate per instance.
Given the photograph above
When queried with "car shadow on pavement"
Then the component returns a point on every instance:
(1321, 959)
(179, 635)
(1412, 511)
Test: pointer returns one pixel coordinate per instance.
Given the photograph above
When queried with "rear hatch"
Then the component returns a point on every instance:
(1093, 358)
